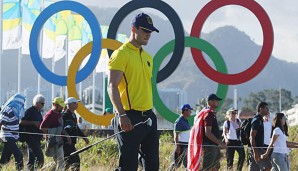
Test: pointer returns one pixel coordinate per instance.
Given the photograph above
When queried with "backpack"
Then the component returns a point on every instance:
(245, 128)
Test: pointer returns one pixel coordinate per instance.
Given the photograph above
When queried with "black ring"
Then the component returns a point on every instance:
(173, 17)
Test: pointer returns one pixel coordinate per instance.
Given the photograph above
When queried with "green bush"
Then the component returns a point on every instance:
(293, 136)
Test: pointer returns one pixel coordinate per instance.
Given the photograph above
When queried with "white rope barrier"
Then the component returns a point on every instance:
(242, 146)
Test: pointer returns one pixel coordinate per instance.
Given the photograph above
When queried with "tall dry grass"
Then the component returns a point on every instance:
(104, 156)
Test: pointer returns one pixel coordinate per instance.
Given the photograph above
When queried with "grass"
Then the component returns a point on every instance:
(104, 156)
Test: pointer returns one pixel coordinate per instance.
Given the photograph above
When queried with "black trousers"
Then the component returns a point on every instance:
(235, 145)
(180, 158)
(73, 161)
(142, 138)
(35, 154)
(11, 148)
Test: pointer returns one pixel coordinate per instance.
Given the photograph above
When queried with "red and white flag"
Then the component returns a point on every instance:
(196, 140)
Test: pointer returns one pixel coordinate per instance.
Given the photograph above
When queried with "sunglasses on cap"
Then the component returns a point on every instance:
(145, 30)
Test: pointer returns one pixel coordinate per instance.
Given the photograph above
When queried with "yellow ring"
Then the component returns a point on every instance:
(71, 85)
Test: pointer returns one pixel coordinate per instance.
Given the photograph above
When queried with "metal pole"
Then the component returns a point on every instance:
(19, 69)
(40, 51)
(235, 98)
(93, 94)
(93, 91)
(103, 91)
(279, 98)
(80, 91)
(53, 70)
(1, 52)
(66, 63)
(178, 101)
(38, 75)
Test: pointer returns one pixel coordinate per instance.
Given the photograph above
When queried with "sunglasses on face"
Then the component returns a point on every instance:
(42, 103)
(234, 112)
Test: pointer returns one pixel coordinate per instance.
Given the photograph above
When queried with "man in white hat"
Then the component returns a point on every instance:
(72, 128)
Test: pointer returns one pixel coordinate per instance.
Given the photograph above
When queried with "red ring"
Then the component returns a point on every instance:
(264, 56)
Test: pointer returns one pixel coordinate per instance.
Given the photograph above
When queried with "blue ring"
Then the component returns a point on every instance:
(96, 47)
(173, 17)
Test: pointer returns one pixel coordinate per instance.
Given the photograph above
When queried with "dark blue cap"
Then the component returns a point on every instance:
(143, 21)
(213, 97)
(186, 106)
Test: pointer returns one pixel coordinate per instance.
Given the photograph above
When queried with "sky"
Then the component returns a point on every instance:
(283, 16)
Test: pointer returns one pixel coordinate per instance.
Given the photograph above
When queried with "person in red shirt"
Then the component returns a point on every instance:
(52, 125)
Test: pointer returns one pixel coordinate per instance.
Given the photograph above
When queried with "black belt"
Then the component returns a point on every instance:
(141, 113)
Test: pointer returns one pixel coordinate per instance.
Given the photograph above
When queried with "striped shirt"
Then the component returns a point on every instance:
(9, 125)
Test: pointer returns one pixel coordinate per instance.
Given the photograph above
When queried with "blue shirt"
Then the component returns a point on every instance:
(182, 127)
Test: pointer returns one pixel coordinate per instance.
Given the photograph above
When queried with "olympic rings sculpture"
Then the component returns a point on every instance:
(176, 46)
(41, 19)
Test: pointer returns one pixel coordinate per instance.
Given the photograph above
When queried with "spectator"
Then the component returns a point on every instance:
(11, 113)
(231, 136)
(181, 137)
(71, 127)
(267, 131)
(257, 146)
(52, 125)
(280, 144)
(206, 122)
(31, 122)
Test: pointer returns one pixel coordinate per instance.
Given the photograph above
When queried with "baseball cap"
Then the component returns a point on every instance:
(144, 21)
(59, 101)
(186, 106)
(213, 97)
(109, 110)
(230, 110)
(71, 100)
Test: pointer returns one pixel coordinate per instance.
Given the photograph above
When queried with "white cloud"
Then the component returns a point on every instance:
(281, 13)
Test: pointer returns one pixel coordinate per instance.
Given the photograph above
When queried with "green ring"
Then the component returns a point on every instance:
(193, 42)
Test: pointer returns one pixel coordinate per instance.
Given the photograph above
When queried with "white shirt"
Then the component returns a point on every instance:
(267, 132)
(231, 135)
(184, 136)
(280, 145)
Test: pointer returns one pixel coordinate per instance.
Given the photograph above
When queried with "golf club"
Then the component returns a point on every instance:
(148, 121)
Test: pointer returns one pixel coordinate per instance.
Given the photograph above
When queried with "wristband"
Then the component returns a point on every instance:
(122, 115)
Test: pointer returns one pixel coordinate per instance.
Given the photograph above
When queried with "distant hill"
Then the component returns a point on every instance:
(239, 53)
(237, 49)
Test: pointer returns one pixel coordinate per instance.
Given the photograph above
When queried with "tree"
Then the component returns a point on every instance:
(272, 97)
(221, 113)
(295, 100)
